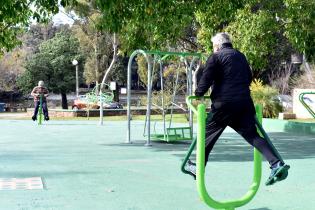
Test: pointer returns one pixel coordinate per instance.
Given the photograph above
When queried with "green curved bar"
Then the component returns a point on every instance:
(40, 111)
(307, 107)
(229, 204)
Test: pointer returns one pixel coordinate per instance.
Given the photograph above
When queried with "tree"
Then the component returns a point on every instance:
(52, 64)
(12, 65)
(97, 48)
(266, 31)
(147, 24)
(37, 33)
(15, 15)
(96, 44)
(119, 72)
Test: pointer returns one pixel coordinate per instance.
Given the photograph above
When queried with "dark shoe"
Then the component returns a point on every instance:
(191, 168)
(33, 118)
(46, 118)
(278, 173)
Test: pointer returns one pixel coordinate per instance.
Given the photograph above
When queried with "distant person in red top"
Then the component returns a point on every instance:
(36, 93)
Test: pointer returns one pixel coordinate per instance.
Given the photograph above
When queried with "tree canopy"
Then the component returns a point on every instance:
(96, 44)
(267, 32)
(264, 30)
(147, 24)
(15, 15)
(53, 65)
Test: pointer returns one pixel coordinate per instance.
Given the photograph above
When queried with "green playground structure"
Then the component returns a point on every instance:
(200, 160)
(40, 110)
(174, 134)
(307, 107)
(94, 97)
(168, 133)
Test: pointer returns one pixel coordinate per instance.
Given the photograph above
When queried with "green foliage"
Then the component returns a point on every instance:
(15, 15)
(299, 23)
(96, 44)
(213, 17)
(52, 64)
(265, 95)
(248, 29)
(143, 70)
(12, 65)
(146, 24)
(267, 32)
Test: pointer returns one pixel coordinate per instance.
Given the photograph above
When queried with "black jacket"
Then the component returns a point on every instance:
(229, 74)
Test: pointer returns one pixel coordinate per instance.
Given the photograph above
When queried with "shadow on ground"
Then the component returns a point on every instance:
(231, 147)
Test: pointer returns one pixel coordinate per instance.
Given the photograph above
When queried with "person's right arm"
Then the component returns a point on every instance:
(207, 77)
(33, 93)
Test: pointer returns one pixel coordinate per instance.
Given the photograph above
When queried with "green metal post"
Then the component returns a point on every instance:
(191, 149)
(40, 110)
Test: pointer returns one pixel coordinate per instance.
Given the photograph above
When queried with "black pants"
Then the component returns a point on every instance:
(240, 116)
(45, 110)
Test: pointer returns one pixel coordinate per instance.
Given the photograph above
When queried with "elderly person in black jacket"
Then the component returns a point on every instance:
(228, 74)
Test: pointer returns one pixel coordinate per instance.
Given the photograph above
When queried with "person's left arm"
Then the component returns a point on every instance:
(46, 93)
(207, 77)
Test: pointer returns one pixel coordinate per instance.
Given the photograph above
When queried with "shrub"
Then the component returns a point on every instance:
(266, 96)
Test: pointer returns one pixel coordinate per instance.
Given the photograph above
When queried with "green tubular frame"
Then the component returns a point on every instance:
(162, 56)
(200, 142)
(40, 110)
(307, 107)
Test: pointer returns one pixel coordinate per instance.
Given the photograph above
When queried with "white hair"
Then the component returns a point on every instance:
(221, 38)
(41, 83)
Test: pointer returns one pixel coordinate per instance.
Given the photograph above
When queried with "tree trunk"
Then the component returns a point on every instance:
(116, 93)
(97, 88)
(64, 103)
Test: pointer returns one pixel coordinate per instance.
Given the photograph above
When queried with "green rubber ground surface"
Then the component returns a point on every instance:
(86, 166)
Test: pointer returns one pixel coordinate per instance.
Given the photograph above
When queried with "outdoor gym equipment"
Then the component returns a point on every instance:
(170, 133)
(98, 97)
(307, 107)
(94, 97)
(40, 110)
(200, 160)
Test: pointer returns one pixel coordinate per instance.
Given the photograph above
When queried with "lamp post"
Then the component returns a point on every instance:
(75, 63)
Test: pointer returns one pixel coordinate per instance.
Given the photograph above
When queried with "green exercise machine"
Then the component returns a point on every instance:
(200, 160)
(307, 107)
(40, 115)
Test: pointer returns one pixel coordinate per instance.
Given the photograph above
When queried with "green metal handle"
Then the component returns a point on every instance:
(307, 107)
(190, 105)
